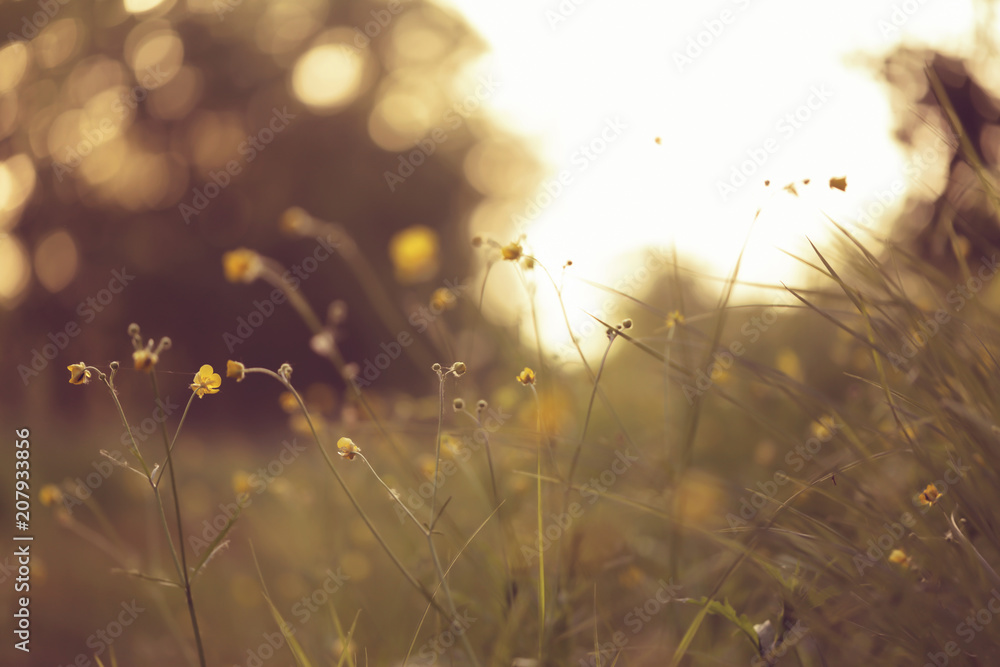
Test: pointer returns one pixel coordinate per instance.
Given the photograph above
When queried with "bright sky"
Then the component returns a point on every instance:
(573, 69)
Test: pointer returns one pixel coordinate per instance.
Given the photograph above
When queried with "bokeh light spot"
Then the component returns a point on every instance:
(14, 270)
(414, 254)
(328, 77)
(56, 260)
(141, 6)
(13, 64)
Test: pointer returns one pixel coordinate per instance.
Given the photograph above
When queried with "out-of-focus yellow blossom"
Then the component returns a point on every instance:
(242, 265)
(414, 254)
(145, 359)
(512, 251)
(50, 494)
(442, 299)
(929, 496)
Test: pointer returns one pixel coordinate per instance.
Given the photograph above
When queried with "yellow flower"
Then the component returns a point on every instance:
(512, 251)
(929, 496)
(415, 254)
(235, 369)
(674, 318)
(206, 381)
(242, 482)
(241, 265)
(347, 448)
(294, 220)
(442, 299)
(899, 557)
(527, 376)
(78, 373)
(50, 494)
(145, 359)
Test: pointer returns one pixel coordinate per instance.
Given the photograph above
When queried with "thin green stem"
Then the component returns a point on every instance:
(185, 575)
(354, 501)
(430, 534)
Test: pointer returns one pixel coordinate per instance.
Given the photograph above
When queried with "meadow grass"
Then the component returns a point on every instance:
(820, 494)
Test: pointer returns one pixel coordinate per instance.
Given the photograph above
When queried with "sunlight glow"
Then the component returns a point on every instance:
(659, 125)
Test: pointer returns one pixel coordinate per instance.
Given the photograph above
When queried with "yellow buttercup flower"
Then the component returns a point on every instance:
(512, 251)
(241, 265)
(415, 254)
(899, 557)
(442, 299)
(674, 318)
(526, 377)
(145, 359)
(347, 448)
(235, 369)
(78, 373)
(930, 495)
(50, 494)
(206, 381)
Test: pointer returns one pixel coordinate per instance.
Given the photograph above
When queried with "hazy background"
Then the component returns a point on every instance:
(148, 138)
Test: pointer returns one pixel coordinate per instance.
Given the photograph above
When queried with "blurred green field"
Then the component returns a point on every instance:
(746, 488)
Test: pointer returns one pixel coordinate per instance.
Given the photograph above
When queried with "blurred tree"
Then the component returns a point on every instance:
(148, 137)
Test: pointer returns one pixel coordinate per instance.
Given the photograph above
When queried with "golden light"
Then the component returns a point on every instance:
(56, 260)
(58, 42)
(13, 65)
(177, 98)
(414, 254)
(417, 39)
(156, 58)
(17, 182)
(400, 118)
(284, 25)
(141, 6)
(329, 76)
(15, 270)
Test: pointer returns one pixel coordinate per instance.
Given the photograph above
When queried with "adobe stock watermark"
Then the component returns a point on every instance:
(585, 154)
(953, 475)
(293, 278)
(109, 126)
(259, 481)
(560, 524)
(302, 610)
(87, 310)
(417, 498)
(442, 642)
(957, 298)
(369, 370)
(102, 638)
(881, 545)
(248, 149)
(452, 120)
(796, 458)
(913, 169)
(973, 624)
(85, 487)
(652, 265)
(900, 15)
(750, 331)
(770, 655)
(31, 28)
(712, 30)
(786, 127)
(561, 12)
(635, 621)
